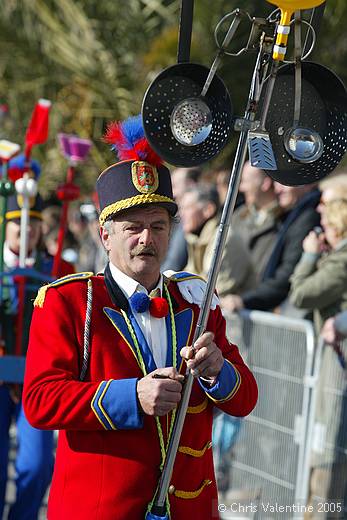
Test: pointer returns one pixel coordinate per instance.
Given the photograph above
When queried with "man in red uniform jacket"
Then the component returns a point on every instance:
(97, 346)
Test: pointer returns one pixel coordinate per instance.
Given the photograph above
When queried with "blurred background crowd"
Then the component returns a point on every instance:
(286, 250)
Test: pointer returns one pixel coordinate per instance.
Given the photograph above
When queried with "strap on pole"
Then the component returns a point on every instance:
(315, 20)
(185, 31)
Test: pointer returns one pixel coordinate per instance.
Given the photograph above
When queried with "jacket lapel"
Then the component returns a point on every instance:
(184, 327)
(122, 328)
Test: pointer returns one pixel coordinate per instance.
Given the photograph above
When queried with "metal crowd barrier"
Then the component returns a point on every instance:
(269, 455)
(325, 468)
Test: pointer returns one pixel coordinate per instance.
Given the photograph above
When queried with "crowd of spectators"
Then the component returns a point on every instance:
(82, 244)
(271, 237)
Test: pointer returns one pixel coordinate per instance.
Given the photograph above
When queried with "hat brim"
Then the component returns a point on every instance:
(138, 201)
(16, 214)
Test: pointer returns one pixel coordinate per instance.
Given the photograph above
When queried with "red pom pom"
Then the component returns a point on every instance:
(159, 307)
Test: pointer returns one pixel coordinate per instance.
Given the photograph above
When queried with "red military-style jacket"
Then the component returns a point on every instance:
(84, 358)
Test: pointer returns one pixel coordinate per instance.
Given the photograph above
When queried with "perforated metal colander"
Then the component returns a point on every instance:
(323, 109)
(184, 128)
(191, 121)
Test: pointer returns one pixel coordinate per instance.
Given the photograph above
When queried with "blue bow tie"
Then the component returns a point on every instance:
(157, 306)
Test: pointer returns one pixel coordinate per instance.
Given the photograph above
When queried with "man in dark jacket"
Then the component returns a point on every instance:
(300, 216)
(258, 219)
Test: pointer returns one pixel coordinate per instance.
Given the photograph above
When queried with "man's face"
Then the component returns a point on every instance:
(288, 196)
(13, 234)
(327, 195)
(251, 183)
(192, 213)
(139, 242)
(179, 181)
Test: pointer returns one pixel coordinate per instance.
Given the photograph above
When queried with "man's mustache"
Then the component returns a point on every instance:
(144, 250)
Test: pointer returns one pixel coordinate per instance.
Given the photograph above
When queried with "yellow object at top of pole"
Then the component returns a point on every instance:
(295, 5)
(288, 7)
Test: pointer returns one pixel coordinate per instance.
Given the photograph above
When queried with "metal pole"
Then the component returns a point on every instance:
(24, 224)
(158, 507)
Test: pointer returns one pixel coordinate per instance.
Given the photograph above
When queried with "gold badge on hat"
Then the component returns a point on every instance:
(144, 176)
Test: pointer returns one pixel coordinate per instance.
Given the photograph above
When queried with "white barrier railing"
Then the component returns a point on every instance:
(269, 456)
(325, 468)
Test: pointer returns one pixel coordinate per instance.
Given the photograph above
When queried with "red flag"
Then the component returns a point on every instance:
(37, 131)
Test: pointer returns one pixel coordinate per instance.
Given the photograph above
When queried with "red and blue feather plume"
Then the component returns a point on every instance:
(128, 139)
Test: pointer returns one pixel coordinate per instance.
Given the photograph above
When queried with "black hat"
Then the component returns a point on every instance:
(140, 178)
(15, 204)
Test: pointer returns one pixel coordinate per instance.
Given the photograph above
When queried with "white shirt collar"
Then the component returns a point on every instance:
(11, 259)
(128, 285)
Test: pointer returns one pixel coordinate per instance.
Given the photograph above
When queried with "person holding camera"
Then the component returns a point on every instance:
(319, 283)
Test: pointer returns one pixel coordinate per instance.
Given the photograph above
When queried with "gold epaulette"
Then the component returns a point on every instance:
(41, 295)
